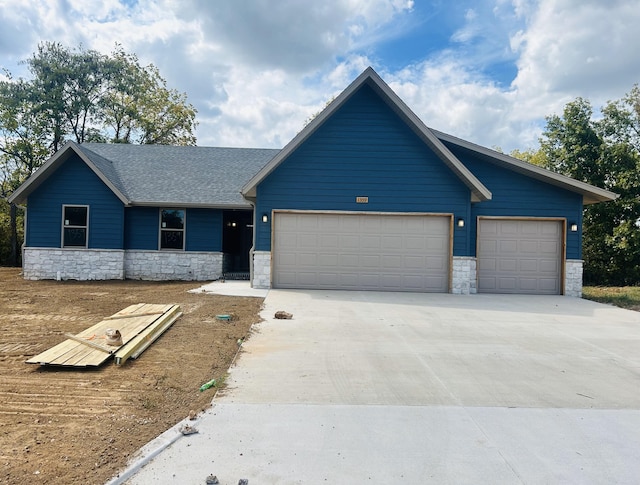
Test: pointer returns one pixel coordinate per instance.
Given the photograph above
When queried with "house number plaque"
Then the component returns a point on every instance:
(362, 200)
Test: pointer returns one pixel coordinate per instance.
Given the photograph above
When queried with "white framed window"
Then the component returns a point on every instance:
(172, 227)
(75, 226)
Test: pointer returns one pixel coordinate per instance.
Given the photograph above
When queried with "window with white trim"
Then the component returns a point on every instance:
(75, 226)
(172, 228)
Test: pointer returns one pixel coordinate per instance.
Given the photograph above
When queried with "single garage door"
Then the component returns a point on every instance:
(361, 251)
(520, 256)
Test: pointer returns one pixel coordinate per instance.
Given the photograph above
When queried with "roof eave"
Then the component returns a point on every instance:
(189, 205)
(591, 194)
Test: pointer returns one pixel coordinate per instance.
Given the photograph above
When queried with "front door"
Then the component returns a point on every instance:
(237, 236)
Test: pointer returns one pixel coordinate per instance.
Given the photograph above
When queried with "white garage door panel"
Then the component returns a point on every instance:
(550, 266)
(390, 261)
(519, 256)
(361, 251)
(370, 242)
(307, 241)
(329, 240)
(548, 285)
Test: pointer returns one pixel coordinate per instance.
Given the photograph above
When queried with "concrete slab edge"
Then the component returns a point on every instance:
(149, 451)
(231, 288)
(152, 449)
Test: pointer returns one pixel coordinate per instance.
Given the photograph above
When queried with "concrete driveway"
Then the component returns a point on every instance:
(364, 387)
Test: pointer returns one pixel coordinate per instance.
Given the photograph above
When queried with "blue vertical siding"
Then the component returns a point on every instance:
(74, 183)
(203, 229)
(518, 195)
(364, 149)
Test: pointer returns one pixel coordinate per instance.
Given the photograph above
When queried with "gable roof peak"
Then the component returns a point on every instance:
(371, 78)
(62, 155)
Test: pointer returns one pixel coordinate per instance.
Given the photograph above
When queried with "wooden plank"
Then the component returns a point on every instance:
(133, 315)
(49, 354)
(67, 351)
(155, 335)
(79, 351)
(81, 356)
(130, 309)
(93, 345)
(140, 343)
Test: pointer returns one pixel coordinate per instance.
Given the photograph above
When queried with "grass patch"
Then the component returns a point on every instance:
(621, 296)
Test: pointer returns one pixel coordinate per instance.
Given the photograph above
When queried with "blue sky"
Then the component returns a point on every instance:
(485, 70)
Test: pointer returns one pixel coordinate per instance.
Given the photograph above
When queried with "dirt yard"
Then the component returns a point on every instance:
(82, 426)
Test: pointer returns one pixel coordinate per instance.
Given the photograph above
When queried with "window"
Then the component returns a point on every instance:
(75, 220)
(171, 229)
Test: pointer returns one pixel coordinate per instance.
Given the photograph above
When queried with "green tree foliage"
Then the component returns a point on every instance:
(605, 153)
(139, 108)
(23, 135)
(9, 230)
(535, 157)
(81, 95)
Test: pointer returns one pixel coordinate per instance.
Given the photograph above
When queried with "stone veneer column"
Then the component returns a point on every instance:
(72, 264)
(261, 277)
(464, 275)
(573, 277)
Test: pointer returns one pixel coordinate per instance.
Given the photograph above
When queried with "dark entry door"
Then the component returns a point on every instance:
(237, 236)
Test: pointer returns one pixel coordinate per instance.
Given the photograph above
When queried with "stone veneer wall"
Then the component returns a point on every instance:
(464, 276)
(116, 264)
(261, 277)
(172, 265)
(72, 264)
(108, 264)
(573, 277)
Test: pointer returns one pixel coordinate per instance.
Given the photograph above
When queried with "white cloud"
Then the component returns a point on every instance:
(470, 30)
(565, 50)
(450, 98)
(290, 34)
(256, 69)
(577, 48)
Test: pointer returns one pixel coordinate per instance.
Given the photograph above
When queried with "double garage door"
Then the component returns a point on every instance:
(386, 252)
(398, 252)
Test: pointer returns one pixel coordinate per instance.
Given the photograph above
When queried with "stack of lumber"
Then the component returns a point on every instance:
(139, 325)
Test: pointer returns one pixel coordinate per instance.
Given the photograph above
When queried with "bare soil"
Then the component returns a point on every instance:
(83, 426)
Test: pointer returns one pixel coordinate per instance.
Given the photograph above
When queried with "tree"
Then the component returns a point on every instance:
(620, 130)
(604, 153)
(22, 149)
(67, 87)
(81, 95)
(139, 108)
(535, 157)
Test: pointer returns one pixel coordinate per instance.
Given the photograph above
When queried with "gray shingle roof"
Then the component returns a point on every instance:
(178, 175)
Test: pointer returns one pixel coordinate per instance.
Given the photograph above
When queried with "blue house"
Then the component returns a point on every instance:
(365, 197)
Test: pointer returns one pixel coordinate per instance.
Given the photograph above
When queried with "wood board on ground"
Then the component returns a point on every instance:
(139, 326)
